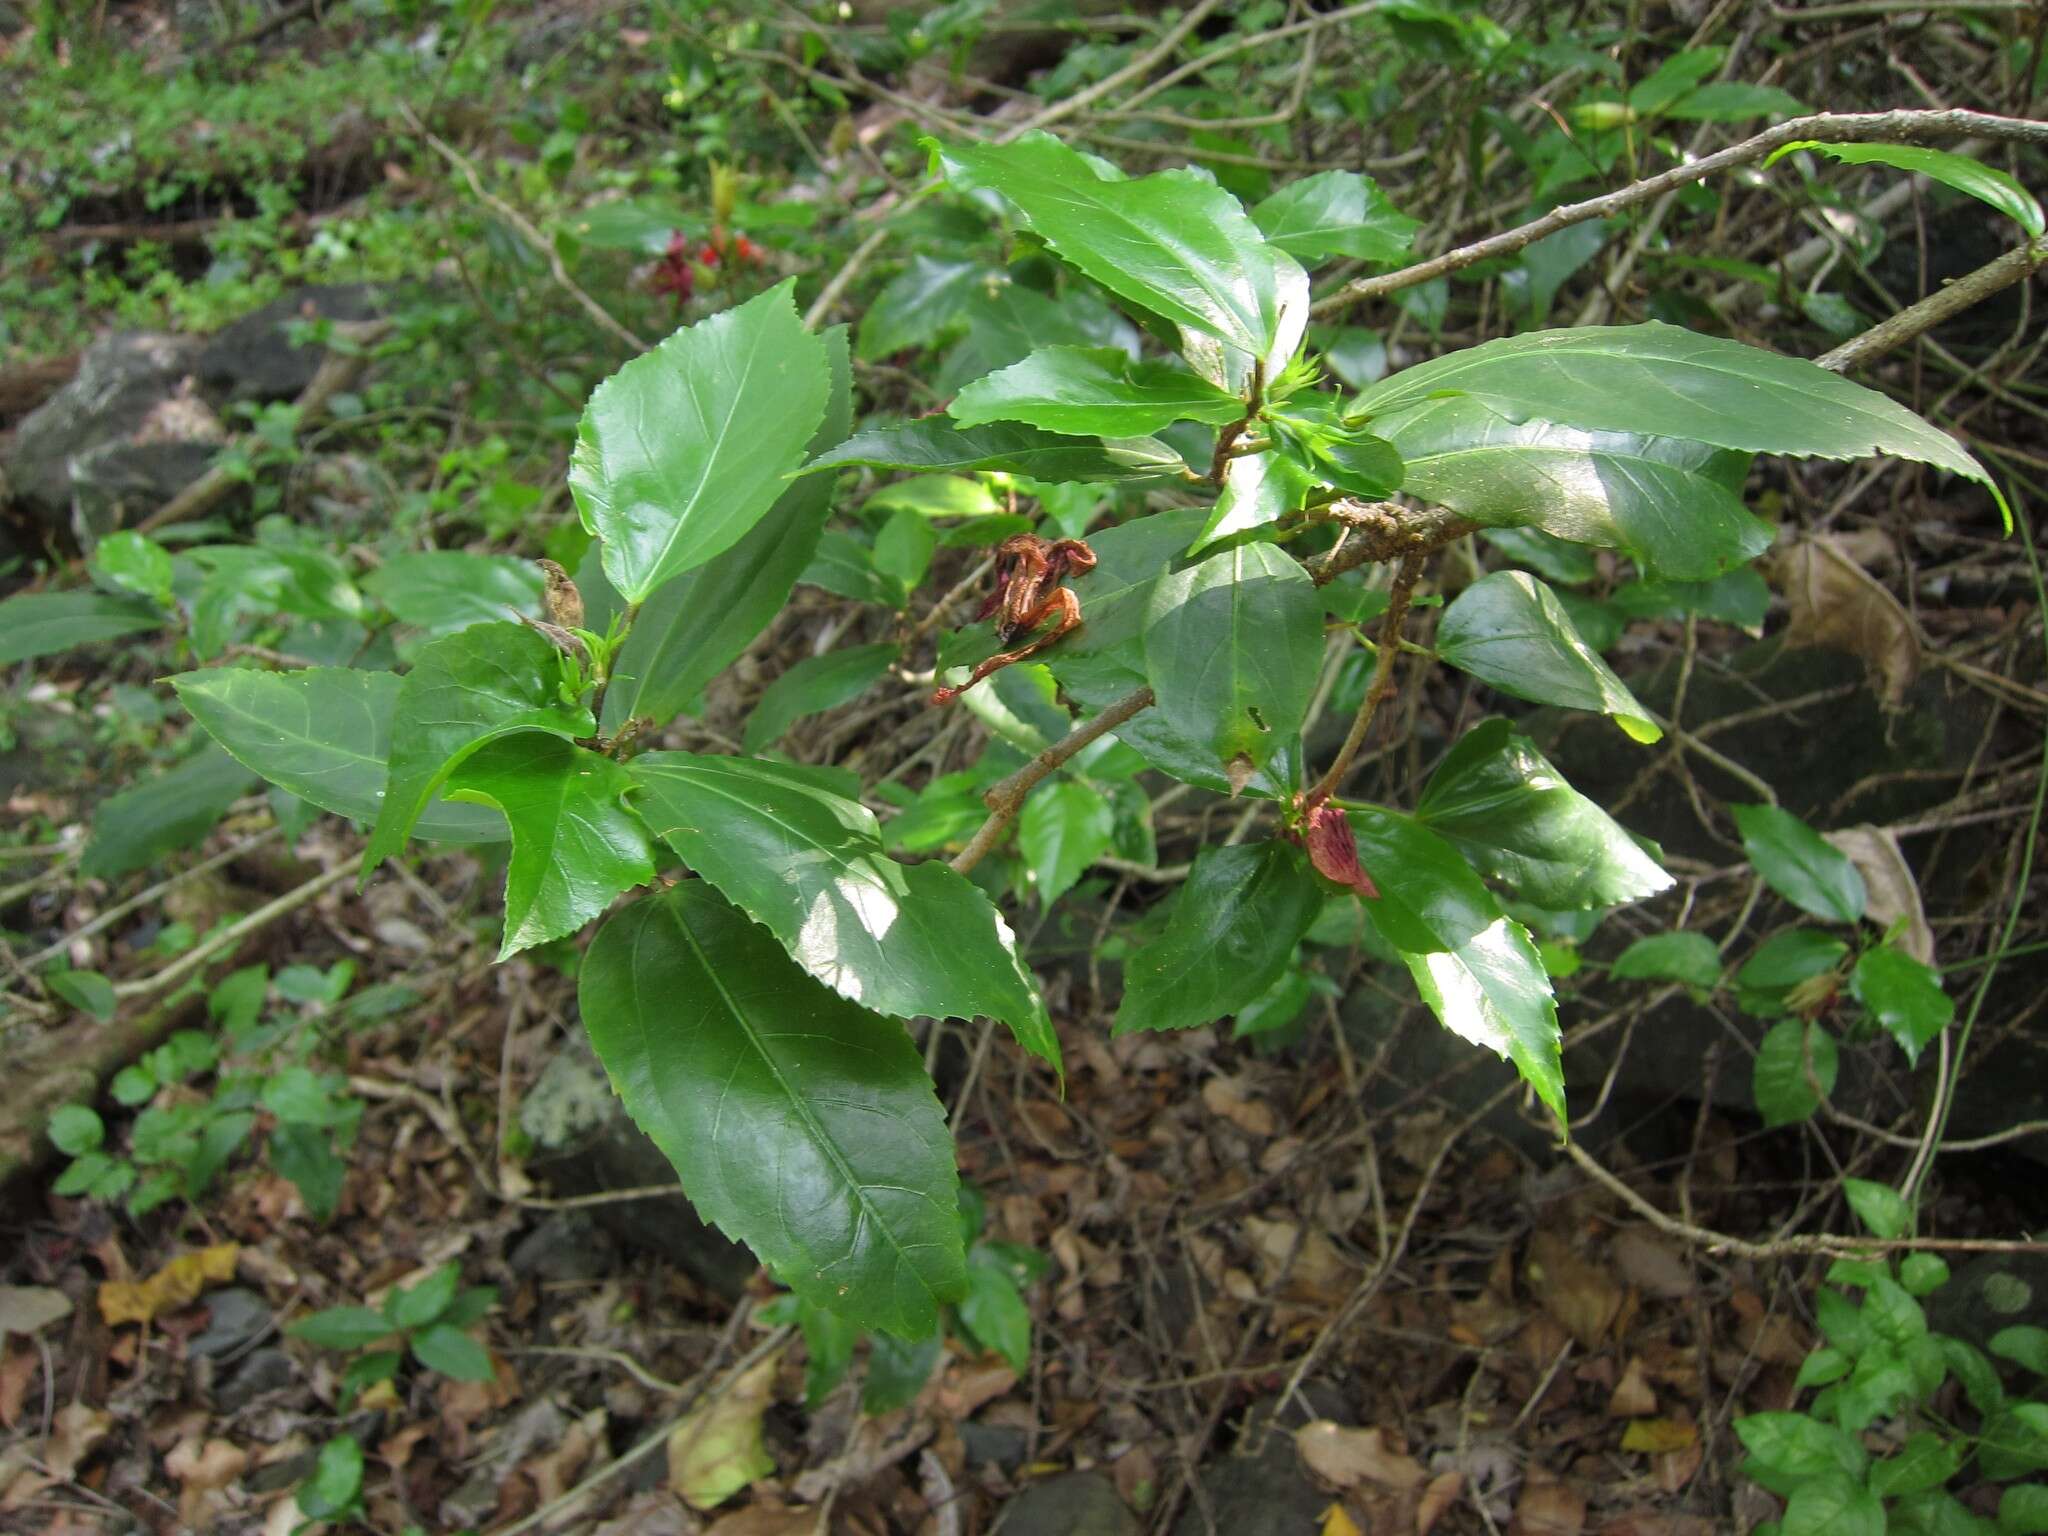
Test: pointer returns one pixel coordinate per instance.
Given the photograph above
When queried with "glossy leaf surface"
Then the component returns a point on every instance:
(686, 447)
(1509, 631)
(1493, 990)
(1095, 392)
(907, 940)
(800, 1124)
(1008, 446)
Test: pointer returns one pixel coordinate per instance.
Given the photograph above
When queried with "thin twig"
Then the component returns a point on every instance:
(1825, 127)
(234, 933)
(1915, 320)
(1406, 575)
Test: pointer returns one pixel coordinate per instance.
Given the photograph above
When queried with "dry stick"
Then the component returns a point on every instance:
(337, 371)
(524, 228)
(232, 935)
(2014, 266)
(1826, 128)
(1406, 575)
(143, 898)
(1139, 67)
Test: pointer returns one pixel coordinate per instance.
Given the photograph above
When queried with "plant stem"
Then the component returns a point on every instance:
(1406, 575)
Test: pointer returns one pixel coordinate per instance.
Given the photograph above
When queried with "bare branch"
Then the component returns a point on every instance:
(1916, 320)
(1902, 127)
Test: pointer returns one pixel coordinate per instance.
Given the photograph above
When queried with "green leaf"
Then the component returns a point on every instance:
(336, 1483)
(685, 448)
(447, 1349)
(1977, 1375)
(898, 1370)
(1093, 392)
(1821, 1368)
(1674, 77)
(1498, 799)
(1509, 631)
(1799, 864)
(697, 623)
(305, 1155)
(828, 1343)
(919, 303)
(1779, 1077)
(140, 826)
(1492, 989)
(936, 496)
(1922, 1274)
(814, 684)
(1904, 996)
(800, 1124)
(1429, 897)
(1357, 462)
(1662, 381)
(1936, 1513)
(907, 940)
(2015, 1442)
(342, 1327)
(44, 623)
(1733, 101)
(135, 563)
(1984, 182)
(1784, 960)
(1926, 1460)
(1006, 323)
(1232, 648)
(1336, 213)
(1129, 560)
(464, 689)
(443, 590)
(87, 991)
(1833, 1504)
(425, 1300)
(2023, 1510)
(2023, 1344)
(1065, 827)
(1173, 243)
(1258, 489)
(1229, 934)
(575, 846)
(321, 733)
(1787, 1449)
(1005, 446)
(994, 1312)
(1687, 957)
(1880, 1207)
(904, 548)
(1665, 502)
(76, 1130)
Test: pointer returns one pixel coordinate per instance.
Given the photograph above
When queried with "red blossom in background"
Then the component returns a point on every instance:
(676, 272)
(672, 274)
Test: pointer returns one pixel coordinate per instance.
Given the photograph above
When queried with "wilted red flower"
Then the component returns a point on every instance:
(1334, 851)
(745, 250)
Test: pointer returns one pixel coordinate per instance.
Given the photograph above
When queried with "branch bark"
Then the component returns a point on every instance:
(1916, 320)
(1901, 127)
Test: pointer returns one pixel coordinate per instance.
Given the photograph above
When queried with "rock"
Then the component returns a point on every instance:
(129, 393)
(234, 1317)
(585, 1142)
(1073, 1504)
(566, 1246)
(993, 1445)
(253, 358)
(265, 1371)
(1261, 1488)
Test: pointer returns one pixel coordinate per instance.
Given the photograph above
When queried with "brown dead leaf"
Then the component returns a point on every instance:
(1650, 1522)
(1674, 1469)
(1346, 1457)
(1582, 1296)
(203, 1470)
(1439, 1496)
(176, 1285)
(1658, 1435)
(1893, 894)
(27, 1309)
(1316, 1261)
(17, 1370)
(1632, 1397)
(970, 1385)
(1226, 1097)
(75, 1435)
(766, 1519)
(1548, 1508)
(1836, 603)
(1652, 1263)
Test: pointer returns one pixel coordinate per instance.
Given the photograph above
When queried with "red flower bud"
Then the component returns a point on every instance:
(1334, 851)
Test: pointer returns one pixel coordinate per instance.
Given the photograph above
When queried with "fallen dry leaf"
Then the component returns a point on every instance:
(716, 1452)
(1652, 1263)
(1439, 1496)
(177, 1284)
(203, 1469)
(1582, 1296)
(1316, 1261)
(25, 1309)
(75, 1434)
(1337, 1521)
(1655, 1435)
(1548, 1508)
(1892, 894)
(766, 1519)
(1632, 1397)
(1226, 1097)
(1834, 602)
(1347, 1457)
(17, 1370)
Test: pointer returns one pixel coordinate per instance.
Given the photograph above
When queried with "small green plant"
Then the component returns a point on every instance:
(263, 1078)
(335, 1490)
(428, 1320)
(1901, 1413)
(992, 1315)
